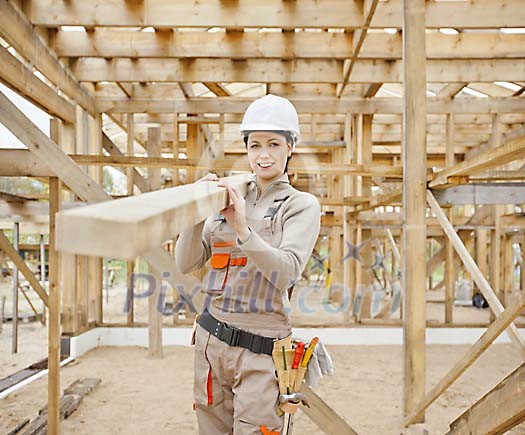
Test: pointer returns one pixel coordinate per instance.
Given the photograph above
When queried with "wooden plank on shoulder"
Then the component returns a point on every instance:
(129, 227)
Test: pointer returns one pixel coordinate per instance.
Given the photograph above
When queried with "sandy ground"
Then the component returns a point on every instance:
(139, 395)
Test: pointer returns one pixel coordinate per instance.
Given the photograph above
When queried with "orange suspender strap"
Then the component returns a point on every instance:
(223, 244)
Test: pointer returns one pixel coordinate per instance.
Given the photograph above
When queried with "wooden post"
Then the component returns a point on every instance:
(130, 266)
(95, 305)
(220, 146)
(508, 270)
(450, 158)
(130, 152)
(54, 313)
(14, 336)
(450, 278)
(348, 276)
(2, 312)
(43, 273)
(336, 233)
(495, 256)
(155, 317)
(130, 185)
(481, 251)
(192, 148)
(522, 265)
(81, 296)
(450, 271)
(414, 204)
(64, 135)
(364, 188)
(175, 148)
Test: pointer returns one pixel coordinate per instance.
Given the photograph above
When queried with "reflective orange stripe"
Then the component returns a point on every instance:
(223, 244)
(266, 431)
(209, 388)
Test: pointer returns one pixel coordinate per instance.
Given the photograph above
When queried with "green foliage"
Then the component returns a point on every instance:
(22, 185)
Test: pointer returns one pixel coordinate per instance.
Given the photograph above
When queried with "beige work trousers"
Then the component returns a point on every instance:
(235, 390)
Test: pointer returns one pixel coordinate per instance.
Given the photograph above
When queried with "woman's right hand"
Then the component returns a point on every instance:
(208, 177)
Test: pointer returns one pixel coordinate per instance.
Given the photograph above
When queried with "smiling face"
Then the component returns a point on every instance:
(267, 154)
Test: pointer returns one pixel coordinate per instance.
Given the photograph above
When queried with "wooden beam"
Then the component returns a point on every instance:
(187, 90)
(483, 193)
(435, 122)
(113, 150)
(92, 69)
(471, 266)
(491, 158)
(519, 92)
(122, 122)
(488, 337)
(347, 200)
(498, 411)
(451, 90)
(22, 163)
(378, 201)
(22, 267)
(272, 13)
(371, 170)
(218, 89)
(9, 197)
(129, 227)
(372, 90)
(21, 79)
(20, 33)
(107, 43)
(69, 402)
(414, 207)
(358, 40)
(323, 415)
(324, 105)
(48, 151)
(126, 88)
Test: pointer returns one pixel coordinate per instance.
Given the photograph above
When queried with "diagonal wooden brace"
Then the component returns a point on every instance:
(24, 270)
(473, 269)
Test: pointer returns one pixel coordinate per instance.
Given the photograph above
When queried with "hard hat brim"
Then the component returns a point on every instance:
(266, 126)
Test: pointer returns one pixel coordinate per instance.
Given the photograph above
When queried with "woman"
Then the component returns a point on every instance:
(258, 247)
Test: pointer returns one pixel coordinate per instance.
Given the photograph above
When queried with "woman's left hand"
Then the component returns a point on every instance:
(235, 214)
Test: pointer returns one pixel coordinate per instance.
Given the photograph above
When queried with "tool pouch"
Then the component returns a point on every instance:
(282, 356)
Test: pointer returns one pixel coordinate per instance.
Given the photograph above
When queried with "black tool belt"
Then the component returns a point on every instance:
(235, 336)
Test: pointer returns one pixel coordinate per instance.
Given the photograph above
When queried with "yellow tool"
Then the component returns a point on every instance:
(308, 352)
(301, 370)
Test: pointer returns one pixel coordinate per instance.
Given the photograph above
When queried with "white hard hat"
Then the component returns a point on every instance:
(271, 113)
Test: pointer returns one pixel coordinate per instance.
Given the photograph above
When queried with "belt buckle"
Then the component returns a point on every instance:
(230, 335)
